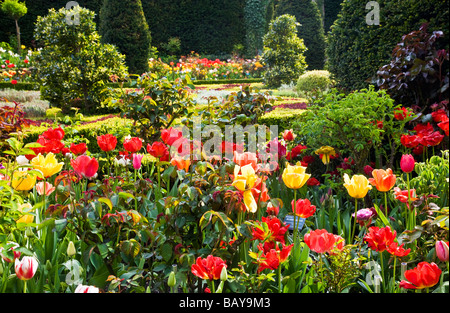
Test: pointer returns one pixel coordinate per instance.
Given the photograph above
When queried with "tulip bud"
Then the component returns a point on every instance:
(71, 251)
(407, 163)
(442, 250)
(172, 280)
(48, 266)
(224, 274)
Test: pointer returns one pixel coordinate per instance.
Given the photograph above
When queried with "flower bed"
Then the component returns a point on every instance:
(126, 215)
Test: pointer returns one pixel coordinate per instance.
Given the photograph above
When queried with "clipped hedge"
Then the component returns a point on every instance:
(19, 86)
(281, 117)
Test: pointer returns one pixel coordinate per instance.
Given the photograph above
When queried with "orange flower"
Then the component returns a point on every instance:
(180, 163)
(383, 180)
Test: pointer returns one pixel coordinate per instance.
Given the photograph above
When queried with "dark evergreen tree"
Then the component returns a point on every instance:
(307, 13)
(123, 24)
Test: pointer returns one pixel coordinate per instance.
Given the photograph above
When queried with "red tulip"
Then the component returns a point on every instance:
(158, 150)
(397, 250)
(26, 268)
(410, 141)
(313, 182)
(303, 208)
(274, 257)
(402, 195)
(209, 268)
(107, 142)
(78, 149)
(380, 238)
(401, 114)
(85, 166)
(439, 116)
(14, 82)
(425, 275)
(54, 134)
(321, 241)
(170, 135)
(269, 230)
(444, 126)
(133, 144)
(407, 163)
(288, 135)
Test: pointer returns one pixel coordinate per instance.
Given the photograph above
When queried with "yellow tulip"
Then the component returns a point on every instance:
(26, 218)
(244, 180)
(326, 152)
(23, 181)
(48, 165)
(358, 186)
(294, 176)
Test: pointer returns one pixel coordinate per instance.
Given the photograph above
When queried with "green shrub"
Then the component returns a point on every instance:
(356, 50)
(73, 66)
(133, 40)
(311, 30)
(350, 124)
(153, 104)
(315, 80)
(54, 113)
(283, 52)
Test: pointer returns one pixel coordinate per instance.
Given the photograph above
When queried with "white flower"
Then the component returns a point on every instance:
(22, 160)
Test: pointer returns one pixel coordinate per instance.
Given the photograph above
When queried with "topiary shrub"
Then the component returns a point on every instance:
(133, 40)
(283, 52)
(72, 65)
(316, 80)
(311, 30)
(355, 125)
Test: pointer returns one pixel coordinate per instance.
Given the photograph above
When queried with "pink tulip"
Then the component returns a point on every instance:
(26, 268)
(407, 163)
(49, 188)
(86, 289)
(442, 250)
(137, 161)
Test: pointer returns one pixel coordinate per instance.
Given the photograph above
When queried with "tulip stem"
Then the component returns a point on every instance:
(24, 286)
(295, 218)
(385, 204)
(354, 221)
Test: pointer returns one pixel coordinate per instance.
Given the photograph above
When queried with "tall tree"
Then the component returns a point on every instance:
(16, 10)
(307, 13)
(123, 24)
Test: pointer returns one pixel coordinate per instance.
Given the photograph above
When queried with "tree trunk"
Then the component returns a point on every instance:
(18, 37)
